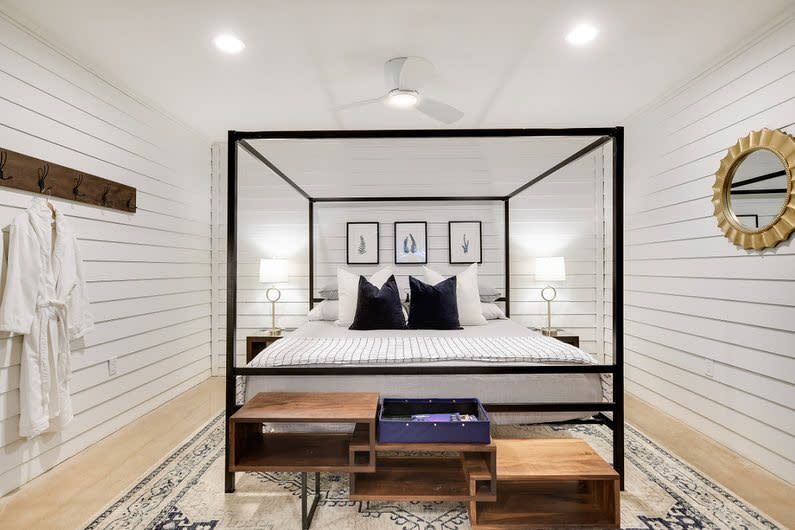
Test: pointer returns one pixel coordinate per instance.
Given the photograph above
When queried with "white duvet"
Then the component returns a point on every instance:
(414, 347)
(490, 388)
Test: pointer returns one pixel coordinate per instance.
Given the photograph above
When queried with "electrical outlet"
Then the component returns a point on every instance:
(709, 368)
(113, 366)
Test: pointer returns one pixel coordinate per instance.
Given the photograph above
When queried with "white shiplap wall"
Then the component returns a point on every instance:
(562, 215)
(272, 222)
(696, 304)
(148, 273)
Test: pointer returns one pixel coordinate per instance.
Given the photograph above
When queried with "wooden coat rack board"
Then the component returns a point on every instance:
(24, 172)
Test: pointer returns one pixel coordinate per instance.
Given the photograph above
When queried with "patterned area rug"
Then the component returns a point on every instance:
(186, 492)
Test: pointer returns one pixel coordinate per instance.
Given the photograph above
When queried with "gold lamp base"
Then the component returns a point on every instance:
(269, 294)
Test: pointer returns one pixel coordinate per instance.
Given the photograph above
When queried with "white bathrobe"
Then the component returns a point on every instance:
(45, 300)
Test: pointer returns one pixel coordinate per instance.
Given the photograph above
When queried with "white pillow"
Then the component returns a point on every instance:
(325, 310)
(348, 292)
(491, 311)
(466, 294)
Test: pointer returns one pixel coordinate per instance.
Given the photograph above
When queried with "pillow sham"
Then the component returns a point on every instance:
(433, 306)
(487, 294)
(467, 295)
(325, 310)
(378, 308)
(492, 311)
(348, 290)
(329, 292)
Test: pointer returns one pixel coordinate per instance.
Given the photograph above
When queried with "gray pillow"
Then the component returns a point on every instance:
(488, 294)
(329, 292)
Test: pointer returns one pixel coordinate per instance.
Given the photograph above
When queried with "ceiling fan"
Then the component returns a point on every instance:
(403, 77)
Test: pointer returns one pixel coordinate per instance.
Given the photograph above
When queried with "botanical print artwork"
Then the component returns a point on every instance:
(464, 240)
(362, 243)
(411, 242)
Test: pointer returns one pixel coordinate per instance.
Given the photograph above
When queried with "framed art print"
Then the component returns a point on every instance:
(362, 243)
(411, 242)
(465, 241)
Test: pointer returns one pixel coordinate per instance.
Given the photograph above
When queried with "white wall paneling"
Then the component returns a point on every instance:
(710, 326)
(564, 215)
(272, 222)
(148, 273)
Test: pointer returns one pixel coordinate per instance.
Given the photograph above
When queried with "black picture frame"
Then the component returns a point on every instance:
(398, 244)
(750, 216)
(450, 242)
(348, 243)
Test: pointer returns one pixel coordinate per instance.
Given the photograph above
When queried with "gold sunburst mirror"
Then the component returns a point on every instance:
(754, 191)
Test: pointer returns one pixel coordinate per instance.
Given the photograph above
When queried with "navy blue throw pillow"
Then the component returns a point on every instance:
(433, 306)
(378, 308)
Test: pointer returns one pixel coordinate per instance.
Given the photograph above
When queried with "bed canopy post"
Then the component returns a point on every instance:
(507, 207)
(311, 253)
(618, 301)
(231, 298)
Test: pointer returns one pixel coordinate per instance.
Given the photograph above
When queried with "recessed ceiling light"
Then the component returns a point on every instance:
(582, 34)
(403, 98)
(228, 43)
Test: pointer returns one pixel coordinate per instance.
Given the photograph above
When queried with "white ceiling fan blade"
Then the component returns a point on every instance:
(407, 73)
(416, 73)
(361, 103)
(438, 110)
(392, 70)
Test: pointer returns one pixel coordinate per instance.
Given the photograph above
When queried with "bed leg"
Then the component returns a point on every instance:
(618, 443)
(229, 482)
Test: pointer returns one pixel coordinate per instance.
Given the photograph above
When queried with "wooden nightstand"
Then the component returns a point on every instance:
(257, 343)
(574, 340)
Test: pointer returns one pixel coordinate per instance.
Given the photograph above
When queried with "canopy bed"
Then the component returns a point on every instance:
(514, 371)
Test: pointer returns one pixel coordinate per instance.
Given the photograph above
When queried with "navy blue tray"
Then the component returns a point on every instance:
(395, 427)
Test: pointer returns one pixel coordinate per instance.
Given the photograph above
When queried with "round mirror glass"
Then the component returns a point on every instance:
(758, 189)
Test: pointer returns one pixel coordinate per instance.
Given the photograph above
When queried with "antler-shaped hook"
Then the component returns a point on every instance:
(43, 172)
(3, 160)
(104, 198)
(76, 188)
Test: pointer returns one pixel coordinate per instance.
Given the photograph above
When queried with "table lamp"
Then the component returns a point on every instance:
(550, 270)
(273, 271)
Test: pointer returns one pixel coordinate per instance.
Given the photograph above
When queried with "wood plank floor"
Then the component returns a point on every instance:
(761, 488)
(71, 493)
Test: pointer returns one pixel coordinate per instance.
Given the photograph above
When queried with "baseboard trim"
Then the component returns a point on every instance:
(766, 491)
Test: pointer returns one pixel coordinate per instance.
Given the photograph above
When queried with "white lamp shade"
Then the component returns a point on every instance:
(273, 270)
(551, 269)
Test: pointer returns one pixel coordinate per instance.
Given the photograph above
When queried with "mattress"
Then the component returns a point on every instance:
(491, 388)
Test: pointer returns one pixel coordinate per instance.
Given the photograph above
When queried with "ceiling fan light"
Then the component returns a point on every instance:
(582, 34)
(403, 99)
(228, 43)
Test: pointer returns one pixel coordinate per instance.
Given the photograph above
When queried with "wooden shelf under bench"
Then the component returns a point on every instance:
(444, 472)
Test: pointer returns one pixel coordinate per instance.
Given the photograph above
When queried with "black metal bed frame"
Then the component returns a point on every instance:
(604, 134)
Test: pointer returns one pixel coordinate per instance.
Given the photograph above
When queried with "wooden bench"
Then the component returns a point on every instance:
(544, 483)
